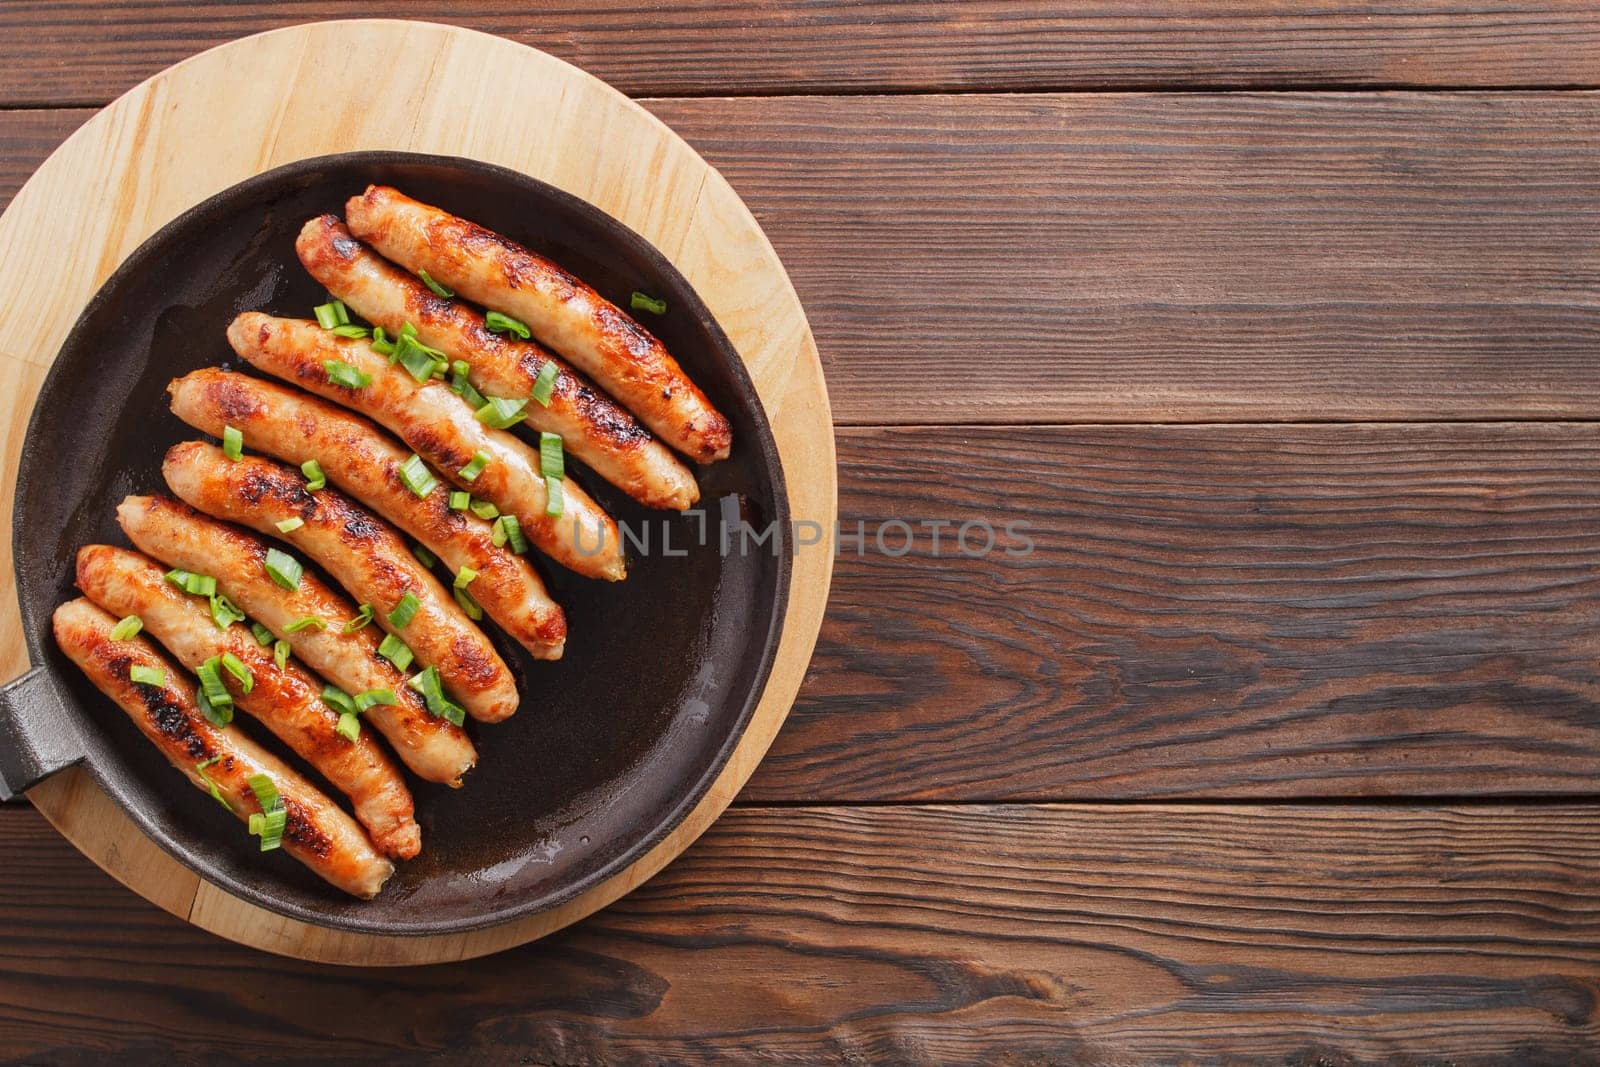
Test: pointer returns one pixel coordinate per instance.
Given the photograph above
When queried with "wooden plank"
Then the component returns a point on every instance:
(953, 936)
(78, 51)
(1157, 258)
(1209, 611)
(1175, 258)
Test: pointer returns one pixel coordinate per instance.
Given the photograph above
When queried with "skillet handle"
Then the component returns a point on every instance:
(37, 733)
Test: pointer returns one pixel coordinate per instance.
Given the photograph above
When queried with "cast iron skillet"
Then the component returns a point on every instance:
(613, 745)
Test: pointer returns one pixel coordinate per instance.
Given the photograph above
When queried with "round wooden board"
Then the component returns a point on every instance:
(263, 101)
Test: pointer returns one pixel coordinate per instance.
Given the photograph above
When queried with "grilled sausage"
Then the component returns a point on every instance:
(592, 427)
(316, 832)
(360, 552)
(365, 462)
(597, 336)
(434, 748)
(442, 430)
(286, 701)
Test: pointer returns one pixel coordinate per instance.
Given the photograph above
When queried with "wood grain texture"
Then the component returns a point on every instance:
(81, 52)
(1178, 258)
(218, 118)
(1209, 611)
(1095, 937)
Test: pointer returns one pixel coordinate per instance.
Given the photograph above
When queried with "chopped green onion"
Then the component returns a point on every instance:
(280, 653)
(501, 412)
(480, 460)
(309, 622)
(415, 358)
(408, 330)
(269, 824)
(424, 557)
(284, 569)
(544, 385)
(343, 374)
(147, 675)
(438, 290)
(351, 331)
(225, 612)
(461, 383)
(460, 500)
(464, 577)
(380, 343)
(129, 626)
(235, 666)
(373, 697)
(338, 700)
(348, 727)
(552, 459)
(315, 479)
(290, 525)
(508, 531)
(641, 302)
(395, 651)
(179, 578)
(216, 794)
(485, 509)
(404, 611)
(216, 703)
(468, 605)
(497, 533)
(418, 478)
(363, 616)
(194, 584)
(332, 314)
(555, 501)
(232, 442)
(427, 683)
(263, 635)
(495, 322)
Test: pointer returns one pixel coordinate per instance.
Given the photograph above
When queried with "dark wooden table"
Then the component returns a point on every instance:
(1281, 326)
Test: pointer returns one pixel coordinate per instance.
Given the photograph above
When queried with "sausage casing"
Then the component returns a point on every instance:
(285, 700)
(360, 552)
(365, 462)
(561, 310)
(435, 749)
(317, 832)
(592, 426)
(441, 429)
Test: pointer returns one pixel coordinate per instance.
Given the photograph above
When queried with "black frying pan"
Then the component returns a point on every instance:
(612, 746)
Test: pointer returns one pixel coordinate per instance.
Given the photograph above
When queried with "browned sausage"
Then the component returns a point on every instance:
(441, 429)
(365, 462)
(361, 552)
(317, 833)
(596, 335)
(434, 748)
(286, 701)
(592, 426)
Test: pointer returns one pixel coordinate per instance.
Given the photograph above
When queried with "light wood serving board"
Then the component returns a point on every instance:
(257, 103)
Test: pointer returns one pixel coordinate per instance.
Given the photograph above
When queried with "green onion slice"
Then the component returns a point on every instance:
(309, 622)
(236, 667)
(372, 697)
(216, 703)
(480, 460)
(290, 525)
(404, 611)
(348, 726)
(502, 413)
(485, 509)
(418, 478)
(147, 675)
(269, 824)
(552, 458)
(508, 531)
(424, 557)
(438, 290)
(211, 787)
(460, 500)
(363, 616)
(468, 605)
(644, 302)
(554, 502)
(338, 700)
(284, 569)
(225, 612)
(280, 653)
(381, 343)
(315, 479)
(328, 315)
(351, 330)
(495, 322)
(128, 626)
(343, 374)
(395, 651)
(192, 583)
(179, 578)
(427, 683)
(544, 386)
(232, 442)
(461, 383)
(464, 577)
(262, 635)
